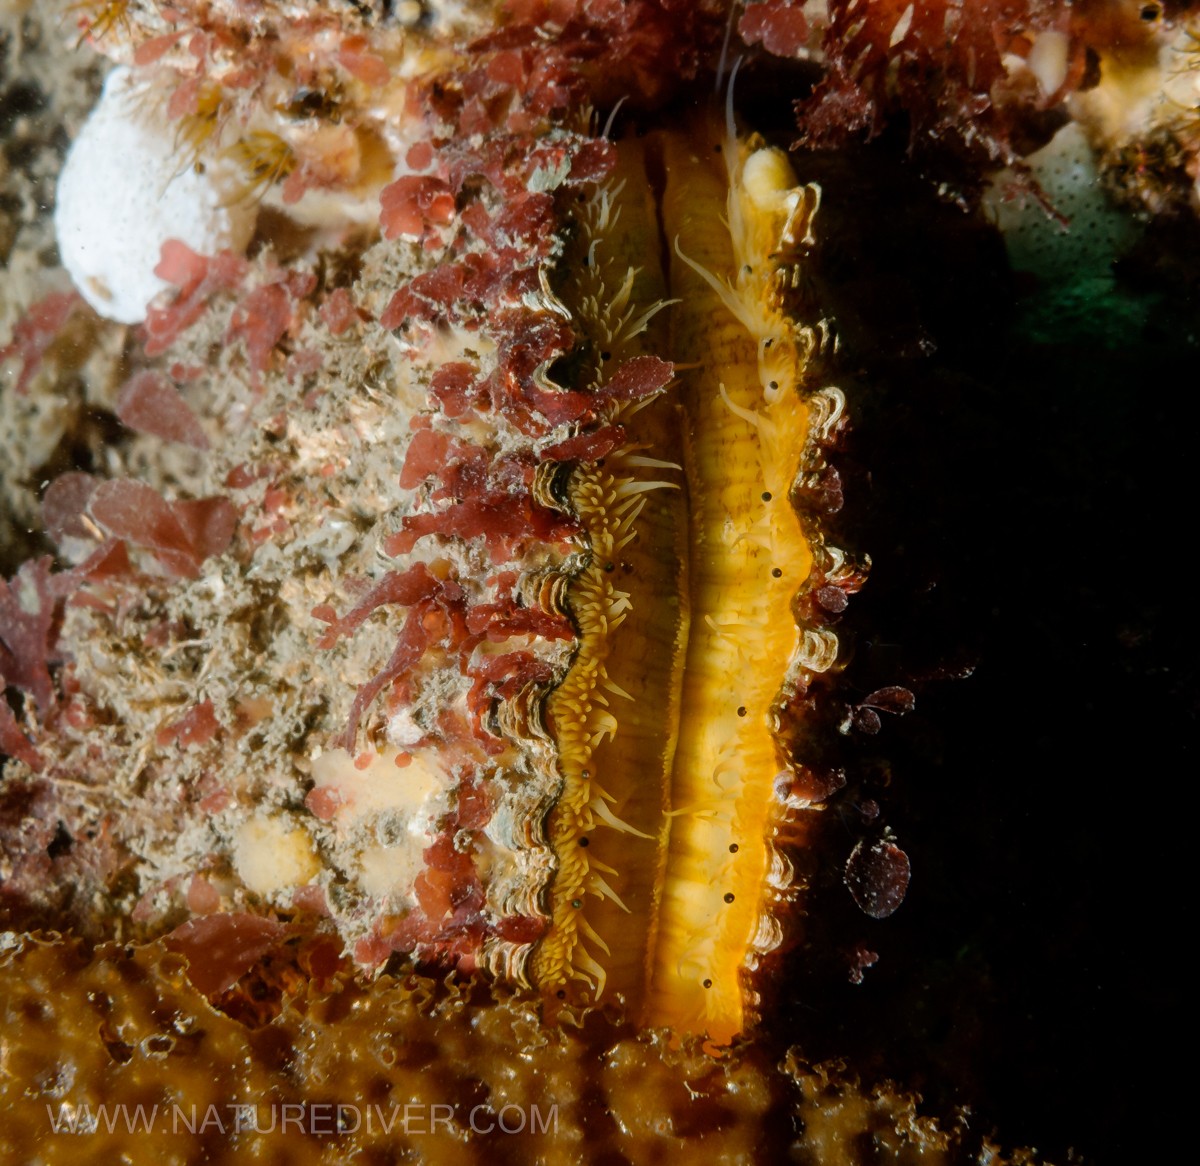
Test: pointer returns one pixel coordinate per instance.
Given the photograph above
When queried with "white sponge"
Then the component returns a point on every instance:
(125, 189)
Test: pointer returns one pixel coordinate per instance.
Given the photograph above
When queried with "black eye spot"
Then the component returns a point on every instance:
(728, 896)
(577, 903)
(741, 710)
(733, 848)
(583, 842)
(777, 572)
(708, 983)
(766, 495)
(773, 384)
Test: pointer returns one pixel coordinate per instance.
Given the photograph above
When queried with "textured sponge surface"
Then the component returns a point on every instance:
(125, 190)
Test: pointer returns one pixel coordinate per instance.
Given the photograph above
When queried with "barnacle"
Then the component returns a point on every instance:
(199, 127)
(263, 157)
(101, 18)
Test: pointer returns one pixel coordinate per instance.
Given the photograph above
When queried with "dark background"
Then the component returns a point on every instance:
(1022, 478)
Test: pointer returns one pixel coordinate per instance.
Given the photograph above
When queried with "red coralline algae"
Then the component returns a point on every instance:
(635, 379)
(13, 742)
(413, 205)
(339, 313)
(586, 446)
(426, 455)
(149, 403)
(455, 388)
(197, 278)
(197, 726)
(355, 57)
(36, 332)
(65, 503)
(150, 51)
(500, 621)
(180, 535)
(937, 63)
(404, 588)
(222, 947)
(32, 605)
(410, 647)
(640, 46)
(778, 25)
(202, 897)
(262, 318)
(30, 611)
(503, 520)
